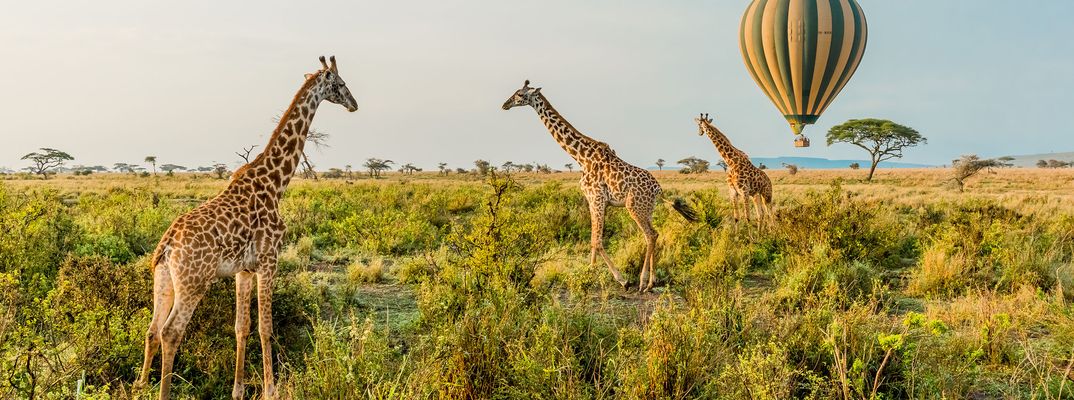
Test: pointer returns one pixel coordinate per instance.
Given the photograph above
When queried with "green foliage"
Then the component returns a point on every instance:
(485, 291)
(694, 165)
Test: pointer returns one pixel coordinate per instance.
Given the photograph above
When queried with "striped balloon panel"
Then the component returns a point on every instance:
(802, 52)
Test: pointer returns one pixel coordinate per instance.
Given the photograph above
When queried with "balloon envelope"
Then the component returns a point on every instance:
(802, 52)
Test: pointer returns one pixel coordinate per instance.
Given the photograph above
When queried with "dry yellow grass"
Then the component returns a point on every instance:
(1028, 189)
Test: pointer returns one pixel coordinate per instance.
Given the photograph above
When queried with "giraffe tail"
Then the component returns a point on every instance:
(160, 251)
(684, 209)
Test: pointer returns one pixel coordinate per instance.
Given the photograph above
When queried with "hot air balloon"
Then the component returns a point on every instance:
(801, 53)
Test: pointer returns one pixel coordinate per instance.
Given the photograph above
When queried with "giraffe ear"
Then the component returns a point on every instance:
(537, 90)
(308, 76)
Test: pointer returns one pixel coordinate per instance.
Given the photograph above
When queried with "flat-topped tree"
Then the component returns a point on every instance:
(607, 180)
(125, 168)
(883, 139)
(237, 233)
(376, 166)
(46, 160)
(694, 165)
(171, 168)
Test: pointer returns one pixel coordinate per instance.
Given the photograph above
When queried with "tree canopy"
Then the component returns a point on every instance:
(694, 165)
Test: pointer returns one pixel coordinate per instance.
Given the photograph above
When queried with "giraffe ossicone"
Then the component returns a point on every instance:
(237, 233)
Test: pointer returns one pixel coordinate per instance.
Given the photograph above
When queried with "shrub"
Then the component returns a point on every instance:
(362, 271)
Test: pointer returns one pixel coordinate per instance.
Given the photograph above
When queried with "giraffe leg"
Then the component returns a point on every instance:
(756, 200)
(643, 216)
(163, 296)
(264, 330)
(186, 300)
(244, 283)
(653, 255)
(733, 194)
(597, 208)
(770, 217)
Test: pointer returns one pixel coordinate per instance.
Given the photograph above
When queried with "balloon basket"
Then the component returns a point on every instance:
(801, 141)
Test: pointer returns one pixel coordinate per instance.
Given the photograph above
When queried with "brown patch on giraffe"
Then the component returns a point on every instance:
(289, 147)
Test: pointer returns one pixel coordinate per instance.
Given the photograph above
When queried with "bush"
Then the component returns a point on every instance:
(371, 271)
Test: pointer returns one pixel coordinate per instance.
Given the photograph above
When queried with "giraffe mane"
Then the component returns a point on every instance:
(291, 109)
(567, 124)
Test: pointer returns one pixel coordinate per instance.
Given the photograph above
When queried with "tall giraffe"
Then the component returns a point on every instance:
(744, 180)
(237, 233)
(606, 181)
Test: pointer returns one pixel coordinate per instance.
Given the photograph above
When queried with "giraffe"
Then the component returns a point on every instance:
(607, 180)
(237, 233)
(744, 180)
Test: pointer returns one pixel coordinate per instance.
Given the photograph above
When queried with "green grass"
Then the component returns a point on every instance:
(426, 287)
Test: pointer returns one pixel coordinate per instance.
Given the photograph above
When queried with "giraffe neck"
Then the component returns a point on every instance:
(578, 146)
(280, 157)
(731, 155)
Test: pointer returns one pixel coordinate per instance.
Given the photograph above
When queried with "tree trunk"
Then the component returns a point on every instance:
(872, 169)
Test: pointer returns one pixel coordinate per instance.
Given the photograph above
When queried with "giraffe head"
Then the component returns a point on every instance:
(526, 96)
(332, 86)
(704, 123)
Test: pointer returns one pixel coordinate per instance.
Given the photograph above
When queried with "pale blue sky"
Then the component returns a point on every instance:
(193, 82)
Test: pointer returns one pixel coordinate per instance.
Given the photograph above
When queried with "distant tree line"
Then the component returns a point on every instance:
(1053, 164)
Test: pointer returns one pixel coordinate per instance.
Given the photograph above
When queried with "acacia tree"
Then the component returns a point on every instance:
(791, 168)
(969, 165)
(220, 169)
(483, 167)
(569, 167)
(46, 160)
(1057, 164)
(152, 160)
(660, 163)
(376, 166)
(883, 139)
(409, 169)
(124, 167)
(443, 168)
(694, 165)
(169, 168)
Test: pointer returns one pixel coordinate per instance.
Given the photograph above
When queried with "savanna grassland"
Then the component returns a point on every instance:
(426, 286)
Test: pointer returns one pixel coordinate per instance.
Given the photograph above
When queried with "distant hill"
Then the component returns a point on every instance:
(815, 163)
(824, 163)
(1030, 160)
